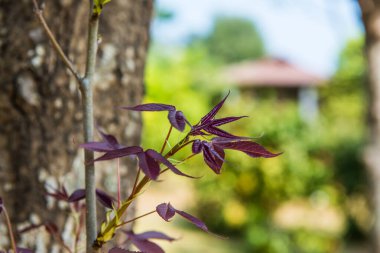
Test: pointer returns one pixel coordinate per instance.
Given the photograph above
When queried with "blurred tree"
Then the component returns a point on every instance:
(233, 39)
(371, 19)
(40, 119)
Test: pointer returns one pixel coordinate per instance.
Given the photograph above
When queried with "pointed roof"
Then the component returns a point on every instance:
(270, 72)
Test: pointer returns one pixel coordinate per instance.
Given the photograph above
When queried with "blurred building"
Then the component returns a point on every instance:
(275, 77)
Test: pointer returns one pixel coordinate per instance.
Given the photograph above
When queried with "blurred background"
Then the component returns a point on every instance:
(297, 69)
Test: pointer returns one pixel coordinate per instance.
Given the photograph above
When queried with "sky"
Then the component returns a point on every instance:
(308, 33)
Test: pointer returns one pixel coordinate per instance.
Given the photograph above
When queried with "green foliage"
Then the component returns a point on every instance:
(281, 204)
(232, 40)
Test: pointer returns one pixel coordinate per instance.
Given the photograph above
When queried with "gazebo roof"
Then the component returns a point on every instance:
(269, 72)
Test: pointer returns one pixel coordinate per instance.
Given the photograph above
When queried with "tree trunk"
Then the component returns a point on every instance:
(40, 115)
(371, 19)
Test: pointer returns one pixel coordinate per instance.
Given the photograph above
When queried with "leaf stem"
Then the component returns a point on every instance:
(9, 225)
(135, 183)
(136, 218)
(118, 184)
(166, 139)
(136, 189)
(55, 44)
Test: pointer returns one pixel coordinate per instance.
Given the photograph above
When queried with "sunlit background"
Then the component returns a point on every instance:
(296, 68)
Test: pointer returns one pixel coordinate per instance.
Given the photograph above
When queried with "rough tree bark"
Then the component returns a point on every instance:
(371, 20)
(40, 119)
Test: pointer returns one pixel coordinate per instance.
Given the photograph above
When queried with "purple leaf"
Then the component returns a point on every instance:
(150, 107)
(23, 250)
(104, 198)
(97, 146)
(158, 157)
(219, 132)
(177, 120)
(196, 147)
(52, 228)
(148, 165)
(109, 139)
(117, 153)
(144, 245)
(1, 205)
(214, 111)
(222, 121)
(154, 235)
(166, 211)
(109, 143)
(197, 222)
(58, 194)
(119, 250)
(251, 148)
(213, 156)
(77, 195)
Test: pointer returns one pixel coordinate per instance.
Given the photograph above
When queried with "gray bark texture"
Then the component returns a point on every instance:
(40, 104)
(371, 20)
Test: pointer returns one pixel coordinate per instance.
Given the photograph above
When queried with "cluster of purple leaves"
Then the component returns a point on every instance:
(143, 240)
(61, 194)
(213, 151)
(149, 160)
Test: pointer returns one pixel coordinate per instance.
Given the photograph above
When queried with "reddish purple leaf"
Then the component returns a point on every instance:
(109, 143)
(158, 157)
(52, 228)
(177, 120)
(97, 146)
(58, 194)
(144, 245)
(104, 198)
(133, 150)
(150, 107)
(154, 235)
(197, 222)
(219, 132)
(196, 147)
(214, 159)
(214, 111)
(109, 139)
(1, 205)
(222, 121)
(119, 250)
(148, 165)
(166, 211)
(251, 148)
(23, 250)
(77, 195)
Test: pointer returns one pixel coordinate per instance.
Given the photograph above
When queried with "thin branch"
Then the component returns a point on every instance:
(166, 139)
(136, 180)
(55, 44)
(136, 218)
(9, 225)
(88, 128)
(118, 184)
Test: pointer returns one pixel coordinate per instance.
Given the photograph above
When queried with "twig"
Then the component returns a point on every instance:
(55, 44)
(136, 218)
(118, 184)
(166, 139)
(9, 225)
(88, 126)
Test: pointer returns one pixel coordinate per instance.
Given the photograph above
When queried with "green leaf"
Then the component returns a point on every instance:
(98, 6)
